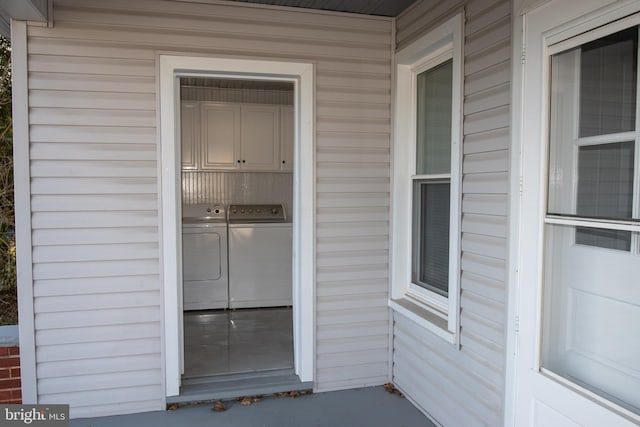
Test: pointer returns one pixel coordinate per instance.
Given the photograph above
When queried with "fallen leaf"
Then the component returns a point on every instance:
(390, 388)
(246, 401)
(172, 407)
(219, 406)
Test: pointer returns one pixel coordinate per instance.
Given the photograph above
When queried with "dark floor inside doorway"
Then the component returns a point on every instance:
(221, 342)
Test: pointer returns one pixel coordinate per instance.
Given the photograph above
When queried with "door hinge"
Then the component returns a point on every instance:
(516, 347)
(524, 44)
(520, 185)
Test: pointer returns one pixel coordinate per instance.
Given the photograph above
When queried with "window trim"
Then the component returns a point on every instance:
(439, 315)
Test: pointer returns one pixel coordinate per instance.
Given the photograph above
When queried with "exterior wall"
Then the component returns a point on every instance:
(466, 386)
(94, 185)
(10, 387)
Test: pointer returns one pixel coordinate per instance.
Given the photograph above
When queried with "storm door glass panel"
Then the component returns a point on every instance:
(591, 306)
(431, 235)
(608, 72)
(593, 85)
(434, 103)
(605, 190)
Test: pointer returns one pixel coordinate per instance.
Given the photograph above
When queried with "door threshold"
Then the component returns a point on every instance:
(228, 386)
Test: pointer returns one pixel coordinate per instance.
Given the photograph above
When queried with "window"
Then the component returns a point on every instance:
(591, 307)
(432, 179)
(426, 193)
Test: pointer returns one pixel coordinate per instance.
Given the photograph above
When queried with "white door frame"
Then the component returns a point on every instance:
(543, 23)
(302, 76)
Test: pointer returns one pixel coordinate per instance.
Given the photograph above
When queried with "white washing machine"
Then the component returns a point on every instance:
(205, 278)
(260, 256)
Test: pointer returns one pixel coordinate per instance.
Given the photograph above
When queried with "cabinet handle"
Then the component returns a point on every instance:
(238, 161)
(283, 162)
(243, 161)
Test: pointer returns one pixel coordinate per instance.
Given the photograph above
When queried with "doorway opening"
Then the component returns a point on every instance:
(236, 145)
(233, 169)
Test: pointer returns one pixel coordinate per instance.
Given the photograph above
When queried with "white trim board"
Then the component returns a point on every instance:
(302, 75)
(515, 206)
(22, 191)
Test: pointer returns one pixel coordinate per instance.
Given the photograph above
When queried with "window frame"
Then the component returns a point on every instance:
(429, 309)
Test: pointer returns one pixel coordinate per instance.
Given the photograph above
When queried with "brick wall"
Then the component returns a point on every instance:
(10, 391)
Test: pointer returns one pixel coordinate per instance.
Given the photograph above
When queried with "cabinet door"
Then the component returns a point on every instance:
(286, 139)
(259, 143)
(189, 134)
(220, 136)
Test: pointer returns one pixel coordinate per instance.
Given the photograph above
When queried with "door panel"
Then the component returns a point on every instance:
(204, 268)
(287, 137)
(545, 416)
(220, 124)
(591, 317)
(260, 142)
(189, 134)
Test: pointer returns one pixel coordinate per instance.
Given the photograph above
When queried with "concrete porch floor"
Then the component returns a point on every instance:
(370, 407)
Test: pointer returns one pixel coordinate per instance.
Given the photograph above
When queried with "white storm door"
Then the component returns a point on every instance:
(578, 360)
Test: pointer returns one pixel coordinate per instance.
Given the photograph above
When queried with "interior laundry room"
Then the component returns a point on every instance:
(237, 179)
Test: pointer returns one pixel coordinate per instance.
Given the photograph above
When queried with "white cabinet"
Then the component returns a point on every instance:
(189, 134)
(286, 138)
(220, 140)
(260, 137)
(218, 136)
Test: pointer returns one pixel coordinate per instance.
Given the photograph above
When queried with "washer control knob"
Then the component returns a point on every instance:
(258, 210)
(274, 211)
(241, 210)
(234, 210)
(250, 210)
(208, 210)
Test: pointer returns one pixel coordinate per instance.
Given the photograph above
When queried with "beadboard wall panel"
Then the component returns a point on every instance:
(238, 187)
(250, 96)
(94, 164)
(465, 386)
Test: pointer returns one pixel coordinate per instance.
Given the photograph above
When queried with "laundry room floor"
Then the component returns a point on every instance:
(218, 342)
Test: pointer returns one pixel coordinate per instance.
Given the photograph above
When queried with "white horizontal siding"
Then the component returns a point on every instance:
(94, 286)
(93, 135)
(119, 316)
(91, 202)
(465, 386)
